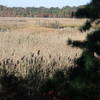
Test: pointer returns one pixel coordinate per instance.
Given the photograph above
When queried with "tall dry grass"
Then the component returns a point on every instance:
(23, 36)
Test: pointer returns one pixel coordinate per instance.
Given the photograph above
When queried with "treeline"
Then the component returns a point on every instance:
(53, 12)
(66, 11)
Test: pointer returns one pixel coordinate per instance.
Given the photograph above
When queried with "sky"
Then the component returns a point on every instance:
(43, 3)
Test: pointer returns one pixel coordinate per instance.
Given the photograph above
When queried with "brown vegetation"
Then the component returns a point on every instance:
(24, 36)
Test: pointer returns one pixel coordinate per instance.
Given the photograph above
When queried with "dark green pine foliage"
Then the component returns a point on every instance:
(85, 77)
(90, 10)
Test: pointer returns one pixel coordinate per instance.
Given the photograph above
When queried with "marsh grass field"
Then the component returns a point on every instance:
(21, 37)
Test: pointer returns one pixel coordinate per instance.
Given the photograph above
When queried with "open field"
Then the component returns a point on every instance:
(23, 36)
